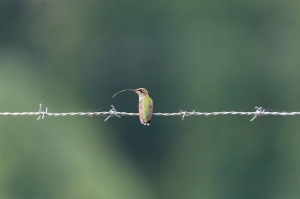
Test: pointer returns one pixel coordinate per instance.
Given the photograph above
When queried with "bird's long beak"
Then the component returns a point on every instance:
(124, 90)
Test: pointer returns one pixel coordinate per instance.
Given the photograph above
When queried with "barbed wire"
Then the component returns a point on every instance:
(41, 114)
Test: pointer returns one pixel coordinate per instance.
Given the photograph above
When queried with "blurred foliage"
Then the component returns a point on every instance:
(190, 55)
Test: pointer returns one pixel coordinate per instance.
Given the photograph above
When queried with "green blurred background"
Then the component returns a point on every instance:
(191, 55)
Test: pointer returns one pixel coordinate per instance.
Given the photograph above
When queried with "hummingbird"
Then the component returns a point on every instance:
(145, 104)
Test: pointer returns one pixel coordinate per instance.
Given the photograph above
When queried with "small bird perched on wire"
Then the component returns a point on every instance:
(145, 104)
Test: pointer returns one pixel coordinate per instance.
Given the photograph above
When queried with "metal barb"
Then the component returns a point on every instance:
(258, 112)
(192, 112)
(185, 113)
(112, 112)
(42, 113)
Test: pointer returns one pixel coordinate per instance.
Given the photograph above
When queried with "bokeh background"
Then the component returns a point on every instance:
(191, 55)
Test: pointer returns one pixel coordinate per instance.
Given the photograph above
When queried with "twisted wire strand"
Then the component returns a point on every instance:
(41, 114)
(106, 113)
